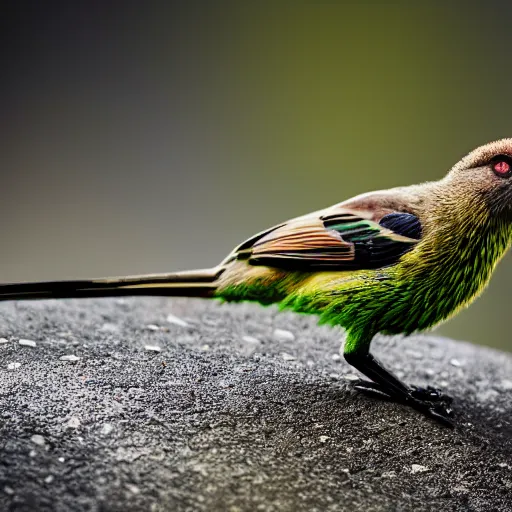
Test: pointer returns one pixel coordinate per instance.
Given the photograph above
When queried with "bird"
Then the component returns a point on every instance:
(389, 262)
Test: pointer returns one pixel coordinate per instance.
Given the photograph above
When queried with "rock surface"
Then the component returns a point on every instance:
(220, 420)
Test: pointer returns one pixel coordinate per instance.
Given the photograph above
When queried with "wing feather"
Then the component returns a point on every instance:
(334, 240)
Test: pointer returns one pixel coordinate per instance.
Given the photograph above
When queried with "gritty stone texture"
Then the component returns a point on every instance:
(236, 427)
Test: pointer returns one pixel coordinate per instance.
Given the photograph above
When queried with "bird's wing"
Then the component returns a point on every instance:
(334, 239)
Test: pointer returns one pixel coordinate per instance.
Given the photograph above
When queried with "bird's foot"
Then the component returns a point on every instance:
(430, 394)
(429, 400)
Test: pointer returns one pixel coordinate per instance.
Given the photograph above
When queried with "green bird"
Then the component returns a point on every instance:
(394, 261)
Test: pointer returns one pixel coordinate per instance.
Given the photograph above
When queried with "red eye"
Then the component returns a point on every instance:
(502, 166)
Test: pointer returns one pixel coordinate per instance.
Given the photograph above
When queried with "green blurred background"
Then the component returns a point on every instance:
(154, 138)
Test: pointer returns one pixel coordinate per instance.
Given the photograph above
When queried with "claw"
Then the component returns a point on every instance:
(436, 412)
(430, 394)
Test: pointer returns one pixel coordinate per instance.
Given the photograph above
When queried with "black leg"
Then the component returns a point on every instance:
(429, 394)
(388, 385)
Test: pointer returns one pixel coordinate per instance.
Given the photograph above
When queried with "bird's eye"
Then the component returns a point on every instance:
(502, 166)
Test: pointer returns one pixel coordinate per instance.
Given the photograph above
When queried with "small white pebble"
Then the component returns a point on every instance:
(132, 488)
(351, 377)
(69, 357)
(13, 366)
(455, 362)
(27, 343)
(38, 439)
(153, 348)
(504, 465)
(8, 490)
(61, 459)
(205, 348)
(3, 340)
(109, 327)
(49, 479)
(32, 453)
(152, 327)
(282, 335)
(107, 429)
(74, 422)
(288, 357)
(418, 468)
(506, 385)
(250, 339)
(414, 354)
(176, 321)
(323, 439)
(336, 357)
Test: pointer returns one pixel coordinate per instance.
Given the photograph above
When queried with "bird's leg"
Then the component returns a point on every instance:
(387, 385)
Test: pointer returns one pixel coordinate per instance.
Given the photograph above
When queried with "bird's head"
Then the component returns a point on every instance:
(485, 175)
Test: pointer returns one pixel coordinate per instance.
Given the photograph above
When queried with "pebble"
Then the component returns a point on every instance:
(69, 357)
(418, 468)
(351, 377)
(107, 428)
(153, 348)
(8, 490)
(288, 357)
(74, 422)
(13, 366)
(487, 395)
(177, 321)
(27, 343)
(281, 335)
(455, 362)
(414, 354)
(506, 385)
(152, 327)
(132, 488)
(61, 459)
(250, 339)
(3, 340)
(49, 479)
(109, 327)
(336, 357)
(38, 439)
(323, 439)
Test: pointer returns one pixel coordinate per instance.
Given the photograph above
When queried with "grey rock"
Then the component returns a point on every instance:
(216, 430)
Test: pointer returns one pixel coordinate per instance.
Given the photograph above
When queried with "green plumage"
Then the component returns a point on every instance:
(393, 261)
(443, 272)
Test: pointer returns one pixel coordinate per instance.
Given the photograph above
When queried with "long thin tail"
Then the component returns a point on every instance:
(196, 283)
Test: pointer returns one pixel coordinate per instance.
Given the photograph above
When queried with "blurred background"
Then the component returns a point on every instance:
(155, 138)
